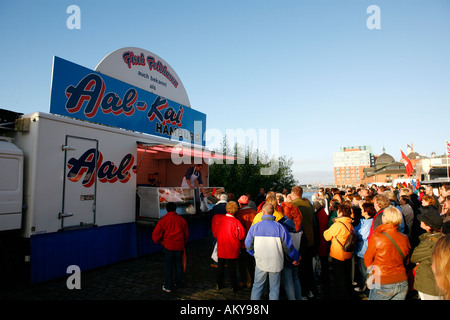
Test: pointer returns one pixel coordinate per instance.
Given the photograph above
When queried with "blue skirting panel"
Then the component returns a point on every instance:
(198, 229)
(88, 248)
(145, 242)
(94, 247)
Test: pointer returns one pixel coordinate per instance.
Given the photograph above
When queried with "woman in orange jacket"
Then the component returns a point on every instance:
(342, 261)
(386, 254)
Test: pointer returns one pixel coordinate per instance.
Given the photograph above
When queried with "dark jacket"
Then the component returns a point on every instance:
(219, 208)
(189, 173)
(322, 225)
(376, 222)
(424, 280)
(307, 212)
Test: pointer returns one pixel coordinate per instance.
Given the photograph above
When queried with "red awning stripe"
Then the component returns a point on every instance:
(192, 152)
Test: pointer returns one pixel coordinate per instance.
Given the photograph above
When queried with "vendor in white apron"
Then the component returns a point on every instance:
(193, 174)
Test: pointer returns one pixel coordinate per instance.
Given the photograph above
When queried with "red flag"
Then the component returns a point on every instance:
(448, 150)
(407, 163)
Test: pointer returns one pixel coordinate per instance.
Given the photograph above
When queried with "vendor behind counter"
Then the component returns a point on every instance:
(191, 176)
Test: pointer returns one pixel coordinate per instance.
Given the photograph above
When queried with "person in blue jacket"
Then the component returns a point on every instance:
(290, 275)
(268, 241)
(362, 231)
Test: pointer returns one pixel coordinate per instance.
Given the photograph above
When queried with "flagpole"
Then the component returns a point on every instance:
(448, 156)
(448, 180)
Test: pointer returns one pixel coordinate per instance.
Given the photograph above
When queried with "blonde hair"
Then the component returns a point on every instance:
(392, 215)
(320, 202)
(406, 191)
(390, 195)
(441, 265)
(232, 207)
(382, 200)
(272, 200)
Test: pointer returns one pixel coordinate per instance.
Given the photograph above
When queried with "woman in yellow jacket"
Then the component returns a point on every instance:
(276, 214)
(342, 261)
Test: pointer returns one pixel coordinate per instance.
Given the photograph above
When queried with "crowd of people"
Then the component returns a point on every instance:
(378, 242)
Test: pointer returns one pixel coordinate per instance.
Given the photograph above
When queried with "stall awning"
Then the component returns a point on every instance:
(184, 150)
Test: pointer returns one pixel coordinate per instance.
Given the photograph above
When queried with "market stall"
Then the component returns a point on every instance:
(100, 167)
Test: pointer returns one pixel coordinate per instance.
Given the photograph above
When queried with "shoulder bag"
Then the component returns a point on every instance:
(351, 242)
(395, 245)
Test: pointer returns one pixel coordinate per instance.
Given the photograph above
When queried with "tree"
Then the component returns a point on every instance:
(243, 175)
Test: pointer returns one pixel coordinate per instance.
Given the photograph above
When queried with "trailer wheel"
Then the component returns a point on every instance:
(6, 265)
(11, 264)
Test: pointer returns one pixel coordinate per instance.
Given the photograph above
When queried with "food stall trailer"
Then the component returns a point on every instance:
(100, 167)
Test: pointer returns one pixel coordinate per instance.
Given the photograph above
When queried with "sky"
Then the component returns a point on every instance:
(312, 70)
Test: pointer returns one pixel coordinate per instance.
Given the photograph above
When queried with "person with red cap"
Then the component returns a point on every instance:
(246, 261)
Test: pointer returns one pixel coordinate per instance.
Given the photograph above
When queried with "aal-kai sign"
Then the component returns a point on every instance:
(84, 94)
(86, 164)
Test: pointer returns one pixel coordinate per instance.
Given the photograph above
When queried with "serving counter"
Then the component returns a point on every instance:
(153, 200)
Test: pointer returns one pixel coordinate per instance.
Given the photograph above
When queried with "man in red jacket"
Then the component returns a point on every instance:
(172, 232)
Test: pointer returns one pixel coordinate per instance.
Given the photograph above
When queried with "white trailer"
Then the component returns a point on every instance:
(11, 193)
(79, 194)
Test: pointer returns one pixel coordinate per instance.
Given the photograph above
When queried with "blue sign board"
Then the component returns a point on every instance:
(84, 94)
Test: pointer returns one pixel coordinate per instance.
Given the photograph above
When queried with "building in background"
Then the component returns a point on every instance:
(355, 166)
(385, 170)
(349, 164)
(435, 168)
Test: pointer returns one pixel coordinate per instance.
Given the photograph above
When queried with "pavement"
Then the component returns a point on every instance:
(142, 279)
(136, 279)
